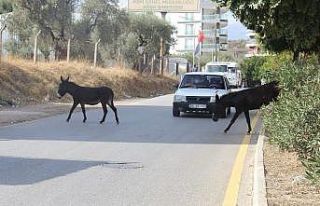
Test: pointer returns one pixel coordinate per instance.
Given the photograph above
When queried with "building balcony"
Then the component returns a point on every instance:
(213, 18)
(186, 35)
(185, 20)
(210, 33)
(223, 32)
(251, 45)
(208, 47)
(224, 17)
(223, 40)
(223, 47)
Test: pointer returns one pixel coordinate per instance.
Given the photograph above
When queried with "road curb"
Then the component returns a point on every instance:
(259, 183)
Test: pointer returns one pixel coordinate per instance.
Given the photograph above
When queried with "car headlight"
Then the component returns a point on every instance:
(212, 99)
(179, 98)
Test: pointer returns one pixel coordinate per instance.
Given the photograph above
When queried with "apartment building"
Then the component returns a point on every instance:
(252, 44)
(211, 19)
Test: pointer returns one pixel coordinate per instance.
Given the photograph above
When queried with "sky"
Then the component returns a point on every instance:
(236, 30)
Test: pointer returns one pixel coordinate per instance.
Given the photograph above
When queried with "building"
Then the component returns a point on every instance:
(252, 44)
(211, 19)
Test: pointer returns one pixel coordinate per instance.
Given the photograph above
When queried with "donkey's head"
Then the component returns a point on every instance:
(63, 87)
(218, 109)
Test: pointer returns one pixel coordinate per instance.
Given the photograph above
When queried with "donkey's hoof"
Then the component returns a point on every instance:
(67, 120)
(249, 132)
(225, 131)
(101, 122)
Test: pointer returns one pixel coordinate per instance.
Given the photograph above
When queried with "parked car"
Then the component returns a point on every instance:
(196, 92)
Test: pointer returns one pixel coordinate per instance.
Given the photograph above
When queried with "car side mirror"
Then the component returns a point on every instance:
(177, 85)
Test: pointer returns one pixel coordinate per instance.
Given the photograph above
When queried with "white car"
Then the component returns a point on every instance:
(197, 90)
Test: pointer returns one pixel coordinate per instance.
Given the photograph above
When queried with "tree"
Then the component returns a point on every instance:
(145, 30)
(5, 6)
(106, 22)
(53, 18)
(282, 25)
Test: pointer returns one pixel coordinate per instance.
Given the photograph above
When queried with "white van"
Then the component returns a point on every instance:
(235, 74)
(217, 67)
(229, 69)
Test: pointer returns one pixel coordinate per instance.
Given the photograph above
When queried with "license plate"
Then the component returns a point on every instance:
(197, 106)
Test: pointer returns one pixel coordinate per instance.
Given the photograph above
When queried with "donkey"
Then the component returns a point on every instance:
(245, 100)
(88, 95)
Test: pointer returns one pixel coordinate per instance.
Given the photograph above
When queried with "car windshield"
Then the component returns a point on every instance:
(217, 68)
(203, 81)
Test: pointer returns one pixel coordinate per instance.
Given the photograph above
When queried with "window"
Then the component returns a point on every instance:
(217, 68)
(189, 29)
(189, 44)
(203, 81)
(189, 16)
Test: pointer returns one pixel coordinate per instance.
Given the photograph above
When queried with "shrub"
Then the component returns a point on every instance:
(251, 69)
(293, 122)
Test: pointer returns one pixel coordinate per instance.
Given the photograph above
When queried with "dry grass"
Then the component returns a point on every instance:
(285, 180)
(24, 82)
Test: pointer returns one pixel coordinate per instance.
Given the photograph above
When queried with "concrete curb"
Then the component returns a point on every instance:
(259, 183)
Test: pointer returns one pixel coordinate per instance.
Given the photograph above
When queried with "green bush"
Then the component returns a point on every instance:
(293, 122)
(251, 69)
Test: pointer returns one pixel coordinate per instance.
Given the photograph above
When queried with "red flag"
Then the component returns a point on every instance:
(201, 36)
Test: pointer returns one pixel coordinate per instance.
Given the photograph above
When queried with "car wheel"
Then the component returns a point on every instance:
(175, 112)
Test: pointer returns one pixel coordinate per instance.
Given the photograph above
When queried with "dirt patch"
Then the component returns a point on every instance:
(286, 184)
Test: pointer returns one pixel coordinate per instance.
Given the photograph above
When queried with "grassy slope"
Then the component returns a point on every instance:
(23, 82)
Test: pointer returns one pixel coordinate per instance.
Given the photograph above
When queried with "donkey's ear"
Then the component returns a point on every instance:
(67, 79)
(61, 78)
(217, 98)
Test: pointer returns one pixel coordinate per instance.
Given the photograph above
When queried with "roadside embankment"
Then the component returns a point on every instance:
(23, 82)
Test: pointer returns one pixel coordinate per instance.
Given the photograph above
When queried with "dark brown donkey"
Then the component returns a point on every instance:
(88, 95)
(245, 100)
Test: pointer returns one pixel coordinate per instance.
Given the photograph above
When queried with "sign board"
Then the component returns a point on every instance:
(173, 6)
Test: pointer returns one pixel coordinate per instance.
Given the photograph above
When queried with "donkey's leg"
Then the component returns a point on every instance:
(84, 112)
(75, 104)
(235, 116)
(246, 113)
(114, 109)
(105, 111)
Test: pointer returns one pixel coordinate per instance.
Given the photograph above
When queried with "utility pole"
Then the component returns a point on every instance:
(68, 50)
(217, 36)
(35, 51)
(162, 46)
(1, 31)
(95, 53)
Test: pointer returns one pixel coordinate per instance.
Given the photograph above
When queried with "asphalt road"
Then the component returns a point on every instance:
(151, 158)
